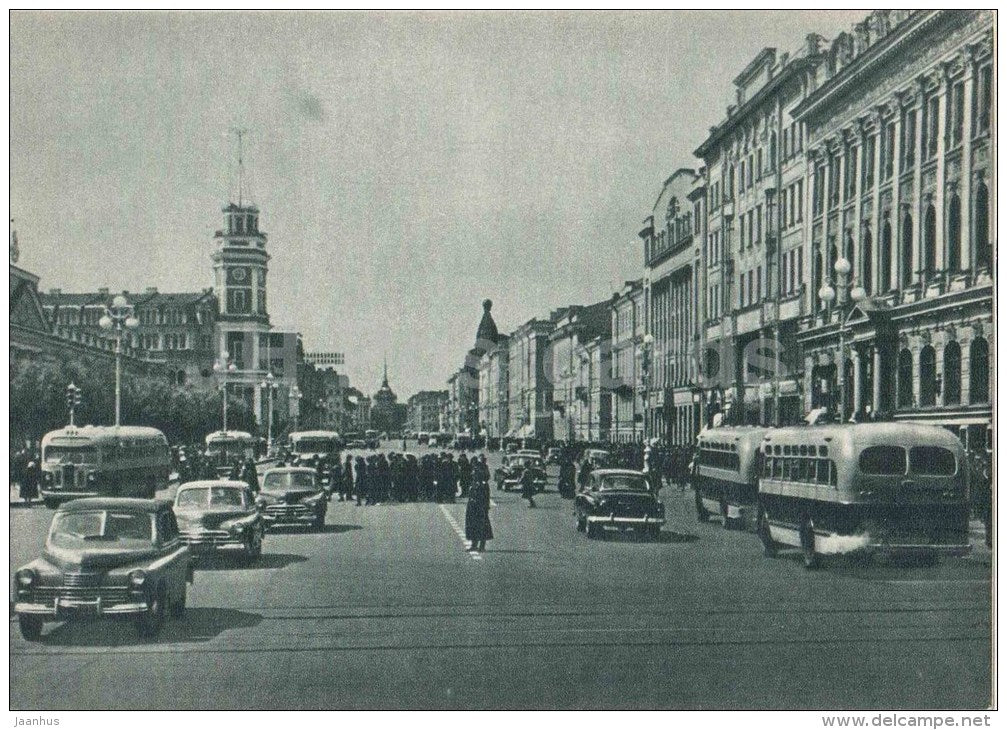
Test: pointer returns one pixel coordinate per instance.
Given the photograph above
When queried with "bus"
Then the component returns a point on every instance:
(726, 473)
(92, 461)
(308, 446)
(223, 448)
(889, 488)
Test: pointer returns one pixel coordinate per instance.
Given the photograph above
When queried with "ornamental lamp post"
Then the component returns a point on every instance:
(828, 294)
(644, 353)
(222, 367)
(118, 317)
(270, 385)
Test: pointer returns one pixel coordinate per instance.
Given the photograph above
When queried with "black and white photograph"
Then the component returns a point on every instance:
(501, 360)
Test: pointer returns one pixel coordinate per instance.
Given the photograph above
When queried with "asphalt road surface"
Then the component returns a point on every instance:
(386, 610)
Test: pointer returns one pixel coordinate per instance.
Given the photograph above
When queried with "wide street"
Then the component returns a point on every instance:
(385, 610)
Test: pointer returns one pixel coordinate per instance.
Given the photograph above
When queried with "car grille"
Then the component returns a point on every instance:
(48, 594)
(81, 580)
(288, 511)
(206, 537)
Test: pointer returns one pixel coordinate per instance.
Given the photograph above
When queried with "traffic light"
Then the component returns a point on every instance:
(72, 399)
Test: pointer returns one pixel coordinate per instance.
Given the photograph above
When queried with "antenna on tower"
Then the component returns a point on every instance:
(240, 132)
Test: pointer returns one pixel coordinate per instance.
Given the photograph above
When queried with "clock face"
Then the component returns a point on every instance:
(239, 274)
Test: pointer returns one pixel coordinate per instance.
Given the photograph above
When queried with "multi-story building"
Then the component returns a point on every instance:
(177, 330)
(493, 394)
(462, 407)
(529, 380)
(572, 329)
(594, 388)
(387, 414)
(358, 410)
(628, 328)
(756, 200)
(901, 184)
(671, 286)
(424, 411)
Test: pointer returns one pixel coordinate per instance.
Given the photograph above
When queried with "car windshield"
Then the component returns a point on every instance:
(621, 482)
(278, 481)
(527, 461)
(314, 446)
(71, 454)
(212, 496)
(102, 526)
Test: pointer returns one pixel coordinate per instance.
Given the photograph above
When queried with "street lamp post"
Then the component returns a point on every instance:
(118, 317)
(645, 353)
(270, 386)
(295, 398)
(222, 367)
(828, 294)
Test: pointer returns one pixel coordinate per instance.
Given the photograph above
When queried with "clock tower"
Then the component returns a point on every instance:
(240, 268)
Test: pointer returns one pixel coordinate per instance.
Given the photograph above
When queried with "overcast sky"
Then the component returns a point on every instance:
(407, 166)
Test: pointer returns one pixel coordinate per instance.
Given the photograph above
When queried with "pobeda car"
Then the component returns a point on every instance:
(106, 557)
(619, 498)
(219, 514)
(292, 495)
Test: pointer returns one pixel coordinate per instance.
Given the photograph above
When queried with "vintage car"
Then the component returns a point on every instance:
(514, 465)
(599, 458)
(217, 514)
(619, 498)
(106, 557)
(292, 495)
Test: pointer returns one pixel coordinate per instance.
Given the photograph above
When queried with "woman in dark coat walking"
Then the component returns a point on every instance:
(477, 516)
(29, 481)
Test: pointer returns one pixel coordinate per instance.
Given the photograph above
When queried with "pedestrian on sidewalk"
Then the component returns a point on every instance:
(477, 516)
(30, 481)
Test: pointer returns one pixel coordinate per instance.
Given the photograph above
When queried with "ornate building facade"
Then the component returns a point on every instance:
(900, 179)
(628, 328)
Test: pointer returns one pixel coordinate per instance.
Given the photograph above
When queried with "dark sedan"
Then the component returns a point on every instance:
(292, 495)
(220, 514)
(514, 465)
(106, 557)
(618, 498)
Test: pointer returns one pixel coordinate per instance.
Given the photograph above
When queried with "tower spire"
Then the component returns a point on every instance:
(384, 382)
(240, 132)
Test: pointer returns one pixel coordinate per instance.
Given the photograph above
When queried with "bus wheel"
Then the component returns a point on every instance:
(762, 529)
(811, 558)
(701, 514)
(51, 503)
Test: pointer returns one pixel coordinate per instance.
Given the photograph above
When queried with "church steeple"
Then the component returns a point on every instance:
(384, 381)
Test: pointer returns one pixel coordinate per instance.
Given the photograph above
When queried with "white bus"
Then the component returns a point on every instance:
(91, 461)
(864, 488)
(223, 448)
(308, 446)
(726, 473)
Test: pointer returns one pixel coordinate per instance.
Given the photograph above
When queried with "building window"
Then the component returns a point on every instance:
(955, 233)
(905, 377)
(909, 140)
(929, 243)
(952, 374)
(928, 376)
(741, 291)
(867, 257)
(984, 254)
(979, 371)
(849, 250)
(907, 250)
(239, 301)
(984, 100)
(888, 151)
(957, 112)
(885, 258)
(869, 145)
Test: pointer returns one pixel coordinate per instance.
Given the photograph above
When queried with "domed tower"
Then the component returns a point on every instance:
(487, 334)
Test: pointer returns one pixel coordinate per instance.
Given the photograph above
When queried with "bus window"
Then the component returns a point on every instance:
(823, 471)
(932, 460)
(767, 468)
(778, 467)
(883, 460)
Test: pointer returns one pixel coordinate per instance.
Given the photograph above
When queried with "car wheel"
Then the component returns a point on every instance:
(593, 530)
(51, 503)
(765, 536)
(178, 605)
(728, 522)
(811, 558)
(31, 627)
(581, 523)
(149, 623)
(701, 514)
(653, 531)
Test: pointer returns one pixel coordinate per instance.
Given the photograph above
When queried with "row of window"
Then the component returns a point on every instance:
(809, 470)
(714, 307)
(922, 460)
(239, 300)
(793, 271)
(949, 386)
(753, 293)
(954, 259)
(751, 234)
(792, 205)
(927, 118)
(719, 459)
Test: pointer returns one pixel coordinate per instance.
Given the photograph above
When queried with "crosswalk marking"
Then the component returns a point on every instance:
(458, 530)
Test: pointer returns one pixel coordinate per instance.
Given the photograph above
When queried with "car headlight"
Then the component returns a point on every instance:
(26, 577)
(90, 476)
(137, 578)
(237, 524)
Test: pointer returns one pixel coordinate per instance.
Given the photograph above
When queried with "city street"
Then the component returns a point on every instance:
(385, 609)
